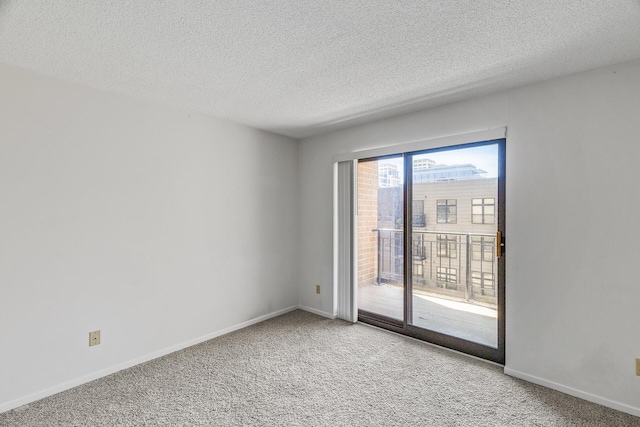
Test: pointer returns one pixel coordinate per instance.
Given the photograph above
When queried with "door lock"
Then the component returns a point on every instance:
(499, 245)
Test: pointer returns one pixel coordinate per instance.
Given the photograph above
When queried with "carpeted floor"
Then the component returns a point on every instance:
(304, 370)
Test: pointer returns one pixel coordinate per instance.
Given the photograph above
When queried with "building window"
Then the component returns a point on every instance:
(482, 248)
(483, 211)
(418, 218)
(447, 246)
(484, 281)
(446, 274)
(447, 211)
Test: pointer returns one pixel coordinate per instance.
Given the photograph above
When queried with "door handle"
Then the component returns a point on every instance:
(499, 244)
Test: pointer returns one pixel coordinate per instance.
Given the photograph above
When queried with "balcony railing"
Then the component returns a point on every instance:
(457, 264)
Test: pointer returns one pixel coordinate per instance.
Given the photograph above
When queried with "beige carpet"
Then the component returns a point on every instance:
(303, 370)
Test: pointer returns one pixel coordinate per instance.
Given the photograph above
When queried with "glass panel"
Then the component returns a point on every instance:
(488, 249)
(380, 236)
(453, 285)
(417, 214)
(476, 253)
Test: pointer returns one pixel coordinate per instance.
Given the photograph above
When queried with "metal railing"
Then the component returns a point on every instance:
(457, 264)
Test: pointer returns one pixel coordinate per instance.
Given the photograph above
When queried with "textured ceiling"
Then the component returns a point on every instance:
(301, 67)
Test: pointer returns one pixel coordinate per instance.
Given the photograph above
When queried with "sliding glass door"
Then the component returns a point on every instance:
(430, 246)
(380, 214)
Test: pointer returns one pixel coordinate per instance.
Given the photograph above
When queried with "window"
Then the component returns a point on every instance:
(418, 217)
(446, 274)
(483, 211)
(484, 281)
(447, 246)
(482, 248)
(447, 211)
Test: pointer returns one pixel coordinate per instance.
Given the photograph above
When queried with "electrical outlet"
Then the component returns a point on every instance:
(317, 289)
(94, 338)
(638, 367)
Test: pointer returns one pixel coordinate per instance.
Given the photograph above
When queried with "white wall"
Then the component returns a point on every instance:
(155, 225)
(572, 226)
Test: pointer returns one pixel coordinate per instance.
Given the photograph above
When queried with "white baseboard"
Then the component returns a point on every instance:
(318, 312)
(108, 371)
(574, 392)
(7, 406)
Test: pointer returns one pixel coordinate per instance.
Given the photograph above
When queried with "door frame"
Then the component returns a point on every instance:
(404, 327)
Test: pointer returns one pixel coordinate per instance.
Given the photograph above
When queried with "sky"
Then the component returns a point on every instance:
(483, 157)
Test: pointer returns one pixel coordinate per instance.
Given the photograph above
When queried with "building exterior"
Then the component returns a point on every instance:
(434, 173)
(388, 176)
(454, 251)
(453, 231)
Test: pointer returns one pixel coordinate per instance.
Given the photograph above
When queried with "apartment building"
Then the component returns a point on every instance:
(453, 229)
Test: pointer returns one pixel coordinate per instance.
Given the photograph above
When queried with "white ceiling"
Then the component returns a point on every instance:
(302, 67)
